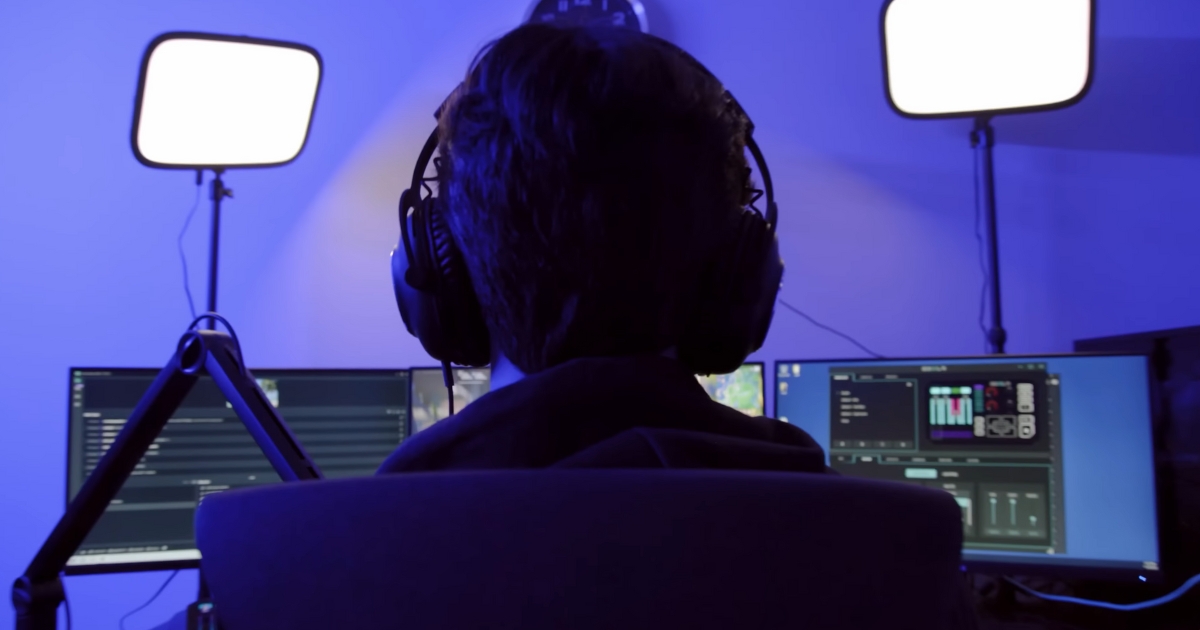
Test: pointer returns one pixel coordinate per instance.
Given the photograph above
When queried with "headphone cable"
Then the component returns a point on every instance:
(1169, 597)
(830, 329)
(448, 379)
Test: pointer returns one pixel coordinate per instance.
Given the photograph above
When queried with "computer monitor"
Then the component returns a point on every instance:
(743, 389)
(347, 420)
(1049, 457)
(429, 402)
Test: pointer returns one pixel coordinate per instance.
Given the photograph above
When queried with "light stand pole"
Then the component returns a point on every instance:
(217, 193)
(983, 139)
(185, 124)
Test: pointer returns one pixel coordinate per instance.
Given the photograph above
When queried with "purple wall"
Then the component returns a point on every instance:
(1098, 204)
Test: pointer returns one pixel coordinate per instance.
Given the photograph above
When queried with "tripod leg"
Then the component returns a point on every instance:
(37, 593)
(266, 426)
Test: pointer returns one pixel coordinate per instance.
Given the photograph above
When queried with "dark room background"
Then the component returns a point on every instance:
(1099, 204)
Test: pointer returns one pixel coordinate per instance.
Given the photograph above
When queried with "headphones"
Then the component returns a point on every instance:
(439, 305)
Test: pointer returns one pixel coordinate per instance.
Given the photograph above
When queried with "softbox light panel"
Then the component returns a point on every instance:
(971, 57)
(217, 101)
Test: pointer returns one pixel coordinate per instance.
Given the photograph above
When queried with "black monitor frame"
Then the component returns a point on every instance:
(1067, 571)
(171, 565)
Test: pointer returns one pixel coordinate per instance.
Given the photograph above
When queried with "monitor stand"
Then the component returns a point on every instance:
(37, 594)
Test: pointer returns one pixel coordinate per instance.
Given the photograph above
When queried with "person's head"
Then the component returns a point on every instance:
(590, 176)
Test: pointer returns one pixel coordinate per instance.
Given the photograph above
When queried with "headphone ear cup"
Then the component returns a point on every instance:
(736, 308)
(434, 293)
(414, 298)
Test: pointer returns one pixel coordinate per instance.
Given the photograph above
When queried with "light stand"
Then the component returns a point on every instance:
(983, 139)
(218, 192)
(983, 58)
(37, 593)
(260, 118)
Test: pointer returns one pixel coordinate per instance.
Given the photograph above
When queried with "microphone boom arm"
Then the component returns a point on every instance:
(37, 593)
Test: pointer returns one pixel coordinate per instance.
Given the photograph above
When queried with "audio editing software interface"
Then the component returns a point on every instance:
(1050, 459)
(986, 433)
(347, 420)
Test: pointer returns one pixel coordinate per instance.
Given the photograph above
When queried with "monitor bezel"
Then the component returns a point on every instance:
(1021, 567)
(170, 565)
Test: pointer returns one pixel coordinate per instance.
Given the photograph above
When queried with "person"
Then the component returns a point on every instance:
(591, 180)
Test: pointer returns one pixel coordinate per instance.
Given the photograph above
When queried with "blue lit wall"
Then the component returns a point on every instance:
(1098, 206)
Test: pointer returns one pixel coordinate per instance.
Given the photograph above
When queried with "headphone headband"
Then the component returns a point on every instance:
(411, 197)
(431, 144)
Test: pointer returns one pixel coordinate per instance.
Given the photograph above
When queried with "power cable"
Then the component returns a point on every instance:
(829, 329)
(1173, 595)
(187, 289)
(983, 267)
(121, 622)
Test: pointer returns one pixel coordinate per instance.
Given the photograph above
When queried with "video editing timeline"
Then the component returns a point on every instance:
(743, 389)
(348, 420)
(987, 433)
(429, 401)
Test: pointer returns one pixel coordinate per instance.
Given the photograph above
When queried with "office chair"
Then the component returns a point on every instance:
(585, 549)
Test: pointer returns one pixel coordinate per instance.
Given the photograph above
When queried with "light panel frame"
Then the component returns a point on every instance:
(193, 35)
(1087, 84)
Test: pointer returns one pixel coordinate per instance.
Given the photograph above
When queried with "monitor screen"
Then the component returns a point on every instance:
(347, 420)
(429, 401)
(1050, 458)
(743, 389)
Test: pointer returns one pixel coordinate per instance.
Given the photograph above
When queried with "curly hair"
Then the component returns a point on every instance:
(590, 175)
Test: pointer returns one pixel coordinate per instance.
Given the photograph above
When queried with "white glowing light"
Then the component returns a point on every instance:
(947, 57)
(212, 102)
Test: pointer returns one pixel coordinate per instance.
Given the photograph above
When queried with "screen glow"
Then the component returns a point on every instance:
(220, 103)
(947, 57)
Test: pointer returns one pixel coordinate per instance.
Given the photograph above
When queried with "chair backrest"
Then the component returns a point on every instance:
(584, 549)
